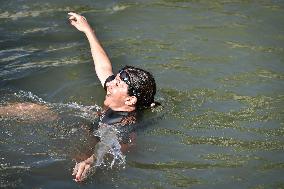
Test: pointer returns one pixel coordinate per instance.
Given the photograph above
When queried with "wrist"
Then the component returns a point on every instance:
(90, 160)
(89, 31)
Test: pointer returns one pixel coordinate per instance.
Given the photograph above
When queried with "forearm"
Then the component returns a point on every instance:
(28, 112)
(91, 160)
(102, 63)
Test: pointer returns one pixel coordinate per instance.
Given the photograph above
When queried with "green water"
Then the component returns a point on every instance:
(220, 75)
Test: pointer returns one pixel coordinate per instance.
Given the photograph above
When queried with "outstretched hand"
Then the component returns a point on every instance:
(83, 169)
(80, 22)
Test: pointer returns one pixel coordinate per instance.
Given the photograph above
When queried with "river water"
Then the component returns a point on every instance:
(219, 71)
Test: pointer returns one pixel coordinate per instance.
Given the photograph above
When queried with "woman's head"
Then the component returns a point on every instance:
(141, 84)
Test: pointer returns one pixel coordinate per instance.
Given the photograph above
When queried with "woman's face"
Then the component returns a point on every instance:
(117, 92)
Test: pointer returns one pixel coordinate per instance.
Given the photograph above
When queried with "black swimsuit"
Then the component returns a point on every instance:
(115, 119)
(112, 117)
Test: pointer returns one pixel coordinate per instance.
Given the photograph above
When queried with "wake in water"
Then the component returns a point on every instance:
(27, 107)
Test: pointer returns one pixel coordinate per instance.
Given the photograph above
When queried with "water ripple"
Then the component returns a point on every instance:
(260, 75)
(181, 165)
(239, 145)
(256, 48)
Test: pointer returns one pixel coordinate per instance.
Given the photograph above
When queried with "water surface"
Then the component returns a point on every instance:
(219, 70)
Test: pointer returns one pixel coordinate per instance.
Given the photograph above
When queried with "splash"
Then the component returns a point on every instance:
(29, 96)
(109, 141)
(108, 144)
(32, 108)
(107, 147)
(118, 8)
(88, 113)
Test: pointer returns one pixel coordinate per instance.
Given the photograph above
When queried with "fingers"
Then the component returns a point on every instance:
(75, 16)
(85, 172)
(79, 22)
(72, 18)
(80, 171)
(75, 169)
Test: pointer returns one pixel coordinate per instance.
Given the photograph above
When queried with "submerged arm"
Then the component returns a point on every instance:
(102, 63)
(28, 112)
(82, 169)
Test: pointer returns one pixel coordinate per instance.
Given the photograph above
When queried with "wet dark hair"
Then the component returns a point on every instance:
(144, 86)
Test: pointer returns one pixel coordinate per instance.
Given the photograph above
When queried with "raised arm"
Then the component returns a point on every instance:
(101, 61)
